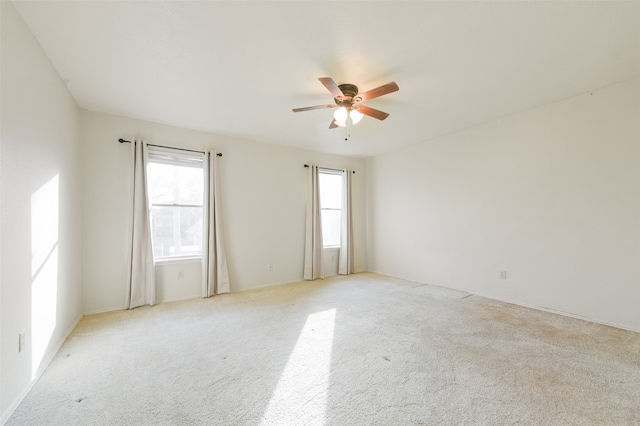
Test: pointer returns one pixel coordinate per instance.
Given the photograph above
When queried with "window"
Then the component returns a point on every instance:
(176, 191)
(331, 207)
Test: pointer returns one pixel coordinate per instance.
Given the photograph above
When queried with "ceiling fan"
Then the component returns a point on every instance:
(349, 102)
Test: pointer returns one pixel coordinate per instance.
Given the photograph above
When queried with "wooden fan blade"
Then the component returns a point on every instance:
(371, 112)
(379, 91)
(314, 107)
(332, 87)
(333, 124)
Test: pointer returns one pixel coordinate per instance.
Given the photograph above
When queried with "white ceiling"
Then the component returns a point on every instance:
(238, 68)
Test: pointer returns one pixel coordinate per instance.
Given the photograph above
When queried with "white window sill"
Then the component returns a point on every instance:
(177, 260)
(331, 248)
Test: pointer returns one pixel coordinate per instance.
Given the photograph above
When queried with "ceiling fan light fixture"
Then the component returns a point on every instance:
(348, 102)
(355, 116)
(341, 115)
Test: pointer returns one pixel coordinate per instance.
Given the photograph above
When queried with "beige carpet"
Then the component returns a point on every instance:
(362, 350)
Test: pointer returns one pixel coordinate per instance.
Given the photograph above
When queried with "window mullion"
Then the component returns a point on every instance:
(175, 205)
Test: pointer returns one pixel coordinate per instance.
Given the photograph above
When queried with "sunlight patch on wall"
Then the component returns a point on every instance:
(301, 394)
(44, 269)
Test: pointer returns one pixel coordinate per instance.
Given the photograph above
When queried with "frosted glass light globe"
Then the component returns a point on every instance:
(356, 116)
(340, 116)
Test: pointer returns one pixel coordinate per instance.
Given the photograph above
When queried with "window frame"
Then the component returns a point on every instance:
(179, 158)
(338, 173)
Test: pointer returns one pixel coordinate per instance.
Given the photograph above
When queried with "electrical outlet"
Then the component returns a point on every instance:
(503, 275)
(271, 267)
(21, 341)
(180, 274)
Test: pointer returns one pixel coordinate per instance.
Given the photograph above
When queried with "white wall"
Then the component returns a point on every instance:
(41, 211)
(551, 195)
(330, 260)
(263, 194)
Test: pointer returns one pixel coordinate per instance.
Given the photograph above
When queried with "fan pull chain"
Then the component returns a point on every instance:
(347, 130)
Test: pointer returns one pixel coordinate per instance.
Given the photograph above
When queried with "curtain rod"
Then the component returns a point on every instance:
(219, 154)
(329, 168)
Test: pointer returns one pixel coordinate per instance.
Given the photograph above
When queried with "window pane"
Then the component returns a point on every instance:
(177, 231)
(331, 199)
(331, 227)
(172, 184)
(330, 191)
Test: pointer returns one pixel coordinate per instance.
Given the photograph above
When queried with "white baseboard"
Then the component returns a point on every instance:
(158, 302)
(100, 311)
(51, 353)
(580, 317)
(189, 297)
(539, 308)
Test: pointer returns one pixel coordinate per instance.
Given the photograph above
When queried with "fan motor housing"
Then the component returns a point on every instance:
(350, 92)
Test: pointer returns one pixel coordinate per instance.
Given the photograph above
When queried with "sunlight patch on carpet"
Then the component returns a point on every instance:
(301, 394)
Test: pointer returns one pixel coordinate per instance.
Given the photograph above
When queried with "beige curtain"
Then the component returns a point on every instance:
(346, 264)
(142, 287)
(215, 274)
(313, 267)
